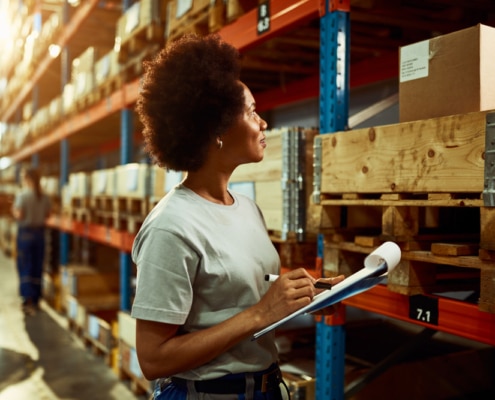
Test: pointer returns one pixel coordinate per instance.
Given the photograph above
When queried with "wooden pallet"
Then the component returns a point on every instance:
(82, 103)
(295, 254)
(127, 371)
(132, 67)
(127, 222)
(406, 168)
(102, 203)
(108, 86)
(443, 267)
(131, 205)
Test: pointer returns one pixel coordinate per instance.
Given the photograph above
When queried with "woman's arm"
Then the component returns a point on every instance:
(162, 352)
(16, 212)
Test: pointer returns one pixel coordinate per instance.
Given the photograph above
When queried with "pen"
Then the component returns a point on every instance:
(318, 285)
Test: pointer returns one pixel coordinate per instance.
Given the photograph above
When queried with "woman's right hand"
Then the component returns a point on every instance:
(290, 292)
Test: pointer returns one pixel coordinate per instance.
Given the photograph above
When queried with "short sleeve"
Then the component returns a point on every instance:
(166, 267)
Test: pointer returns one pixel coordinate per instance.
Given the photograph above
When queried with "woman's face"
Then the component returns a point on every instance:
(245, 143)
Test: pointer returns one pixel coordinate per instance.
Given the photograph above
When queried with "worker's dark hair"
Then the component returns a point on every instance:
(33, 176)
(190, 95)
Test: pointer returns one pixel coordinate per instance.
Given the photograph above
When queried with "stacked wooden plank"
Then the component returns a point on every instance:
(421, 184)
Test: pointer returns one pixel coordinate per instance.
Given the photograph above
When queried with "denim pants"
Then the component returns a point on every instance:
(30, 257)
(172, 392)
(167, 390)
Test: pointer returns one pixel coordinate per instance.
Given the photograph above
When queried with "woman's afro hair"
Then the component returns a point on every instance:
(190, 95)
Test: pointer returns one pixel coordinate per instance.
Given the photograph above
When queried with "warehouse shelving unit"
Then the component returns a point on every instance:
(331, 83)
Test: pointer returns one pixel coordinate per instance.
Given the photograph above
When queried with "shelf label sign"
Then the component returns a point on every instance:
(263, 18)
(423, 309)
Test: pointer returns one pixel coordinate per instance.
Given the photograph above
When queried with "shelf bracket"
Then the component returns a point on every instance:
(489, 186)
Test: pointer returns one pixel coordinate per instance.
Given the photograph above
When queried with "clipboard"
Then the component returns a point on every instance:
(376, 266)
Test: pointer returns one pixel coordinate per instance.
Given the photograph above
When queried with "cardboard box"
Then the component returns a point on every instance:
(448, 75)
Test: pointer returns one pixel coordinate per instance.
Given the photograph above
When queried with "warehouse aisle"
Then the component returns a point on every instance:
(40, 359)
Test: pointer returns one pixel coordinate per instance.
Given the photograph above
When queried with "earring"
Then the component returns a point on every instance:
(219, 144)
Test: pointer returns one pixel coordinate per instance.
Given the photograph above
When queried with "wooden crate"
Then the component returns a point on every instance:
(78, 308)
(81, 280)
(194, 16)
(98, 332)
(421, 184)
(281, 184)
(131, 204)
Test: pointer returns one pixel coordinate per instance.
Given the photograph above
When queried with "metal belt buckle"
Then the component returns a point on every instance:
(265, 379)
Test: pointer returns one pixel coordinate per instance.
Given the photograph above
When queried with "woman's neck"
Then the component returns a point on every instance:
(212, 187)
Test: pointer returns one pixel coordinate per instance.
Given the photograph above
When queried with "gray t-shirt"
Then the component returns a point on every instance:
(199, 263)
(34, 209)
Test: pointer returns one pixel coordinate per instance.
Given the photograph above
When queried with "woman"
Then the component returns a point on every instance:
(203, 251)
(31, 208)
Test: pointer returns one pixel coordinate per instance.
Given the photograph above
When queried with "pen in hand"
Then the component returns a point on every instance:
(318, 285)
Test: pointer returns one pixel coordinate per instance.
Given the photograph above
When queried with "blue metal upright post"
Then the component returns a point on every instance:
(126, 142)
(64, 177)
(334, 70)
(64, 144)
(125, 158)
(334, 113)
(35, 160)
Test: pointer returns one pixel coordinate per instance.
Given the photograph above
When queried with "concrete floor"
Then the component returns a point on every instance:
(41, 359)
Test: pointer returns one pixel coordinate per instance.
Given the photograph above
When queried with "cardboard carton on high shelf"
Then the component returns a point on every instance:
(448, 75)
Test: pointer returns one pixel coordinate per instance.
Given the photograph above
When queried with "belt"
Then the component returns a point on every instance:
(264, 381)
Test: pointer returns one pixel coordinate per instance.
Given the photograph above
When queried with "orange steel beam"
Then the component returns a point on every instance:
(121, 240)
(284, 15)
(455, 317)
(83, 11)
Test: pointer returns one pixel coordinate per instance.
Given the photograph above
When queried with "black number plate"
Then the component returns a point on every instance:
(263, 18)
(424, 309)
